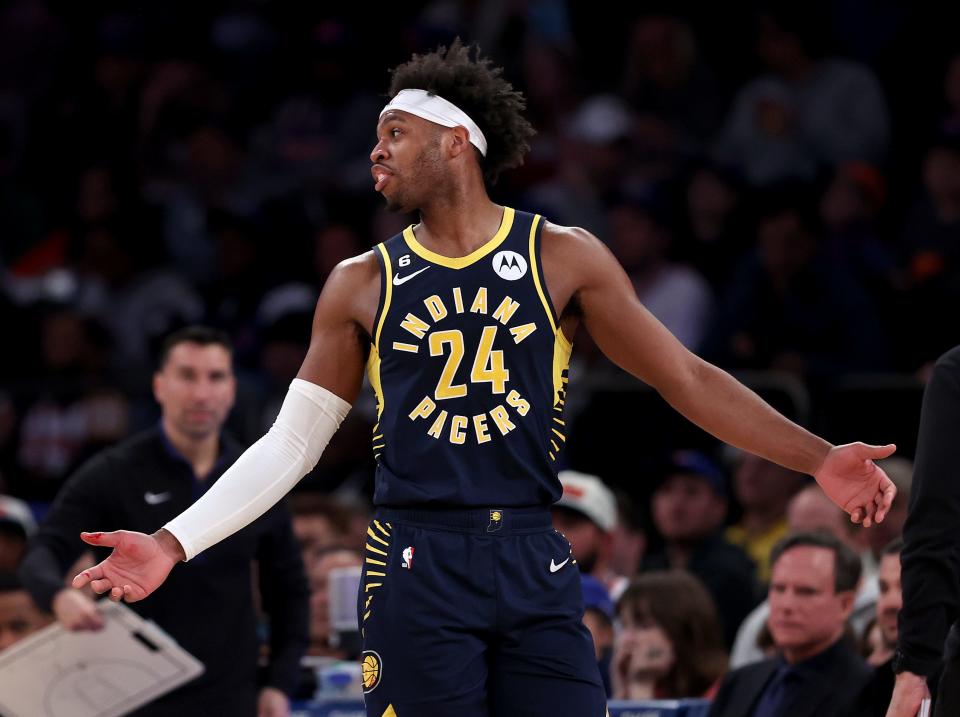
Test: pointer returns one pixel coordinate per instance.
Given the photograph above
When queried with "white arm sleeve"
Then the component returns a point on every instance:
(266, 471)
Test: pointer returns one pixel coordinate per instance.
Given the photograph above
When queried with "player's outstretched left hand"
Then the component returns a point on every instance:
(853, 481)
(137, 566)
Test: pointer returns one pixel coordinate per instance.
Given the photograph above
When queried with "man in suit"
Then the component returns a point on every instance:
(818, 672)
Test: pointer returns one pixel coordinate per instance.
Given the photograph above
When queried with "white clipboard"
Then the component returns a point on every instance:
(107, 673)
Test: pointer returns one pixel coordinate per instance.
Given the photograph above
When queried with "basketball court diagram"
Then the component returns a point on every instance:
(108, 673)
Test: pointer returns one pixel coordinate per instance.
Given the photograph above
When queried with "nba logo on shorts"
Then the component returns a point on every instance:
(407, 558)
(509, 265)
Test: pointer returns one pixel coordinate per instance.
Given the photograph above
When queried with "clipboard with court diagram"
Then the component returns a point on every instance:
(108, 673)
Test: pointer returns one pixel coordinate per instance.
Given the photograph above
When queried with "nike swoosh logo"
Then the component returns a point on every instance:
(554, 567)
(397, 280)
(156, 498)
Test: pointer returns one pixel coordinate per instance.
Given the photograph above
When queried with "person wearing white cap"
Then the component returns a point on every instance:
(17, 524)
(463, 322)
(586, 515)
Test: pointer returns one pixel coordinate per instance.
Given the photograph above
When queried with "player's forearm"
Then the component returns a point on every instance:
(265, 472)
(724, 407)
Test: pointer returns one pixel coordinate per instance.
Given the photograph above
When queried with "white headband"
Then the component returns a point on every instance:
(436, 109)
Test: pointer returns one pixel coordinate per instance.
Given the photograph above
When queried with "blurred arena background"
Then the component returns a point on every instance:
(180, 164)
(781, 182)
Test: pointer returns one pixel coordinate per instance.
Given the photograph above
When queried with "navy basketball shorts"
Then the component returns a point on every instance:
(474, 613)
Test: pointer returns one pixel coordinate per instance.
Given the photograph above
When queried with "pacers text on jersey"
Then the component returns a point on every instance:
(487, 365)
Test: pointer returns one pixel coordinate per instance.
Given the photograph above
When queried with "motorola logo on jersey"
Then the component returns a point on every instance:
(509, 265)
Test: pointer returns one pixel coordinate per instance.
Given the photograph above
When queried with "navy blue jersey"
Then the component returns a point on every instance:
(470, 368)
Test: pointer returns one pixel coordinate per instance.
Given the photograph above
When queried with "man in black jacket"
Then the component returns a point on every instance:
(930, 575)
(818, 674)
(147, 480)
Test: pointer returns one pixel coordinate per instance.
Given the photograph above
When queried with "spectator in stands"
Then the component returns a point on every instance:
(332, 244)
(789, 309)
(670, 644)
(811, 511)
(122, 283)
(143, 482)
(931, 242)
(764, 490)
(586, 515)
(850, 210)
(689, 510)
(807, 512)
(322, 639)
(876, 694)
(72, 409)
(19, 615)
(809, 110)
(670, 86)
(818, 673)
(550, 73)
(8, 420)
(16, 526)
(319, 523)
(316, 130)
(594, 162)
(216, 172)
(950, 121)
(598, 615)
(713, 233)
(240, 279)
(629, 537)
(675, 293)
(872, 647)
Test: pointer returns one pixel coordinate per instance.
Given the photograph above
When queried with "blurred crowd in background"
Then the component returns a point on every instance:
(780, 181)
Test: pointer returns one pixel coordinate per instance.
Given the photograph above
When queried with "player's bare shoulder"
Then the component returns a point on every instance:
(572, 259)
(352, 290)
(557, 233)
(362, 267)
(573, 245)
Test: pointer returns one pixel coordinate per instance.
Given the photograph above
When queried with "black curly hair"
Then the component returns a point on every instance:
(459, 74)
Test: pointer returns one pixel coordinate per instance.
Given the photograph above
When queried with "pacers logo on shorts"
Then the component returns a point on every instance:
(371, 669)
(496, 521)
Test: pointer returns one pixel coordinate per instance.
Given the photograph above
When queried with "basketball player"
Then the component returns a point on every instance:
(470, 602)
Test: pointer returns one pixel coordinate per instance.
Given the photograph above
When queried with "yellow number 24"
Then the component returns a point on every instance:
(487, 364)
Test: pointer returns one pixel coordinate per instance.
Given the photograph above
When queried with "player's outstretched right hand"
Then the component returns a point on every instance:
(137, 566)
